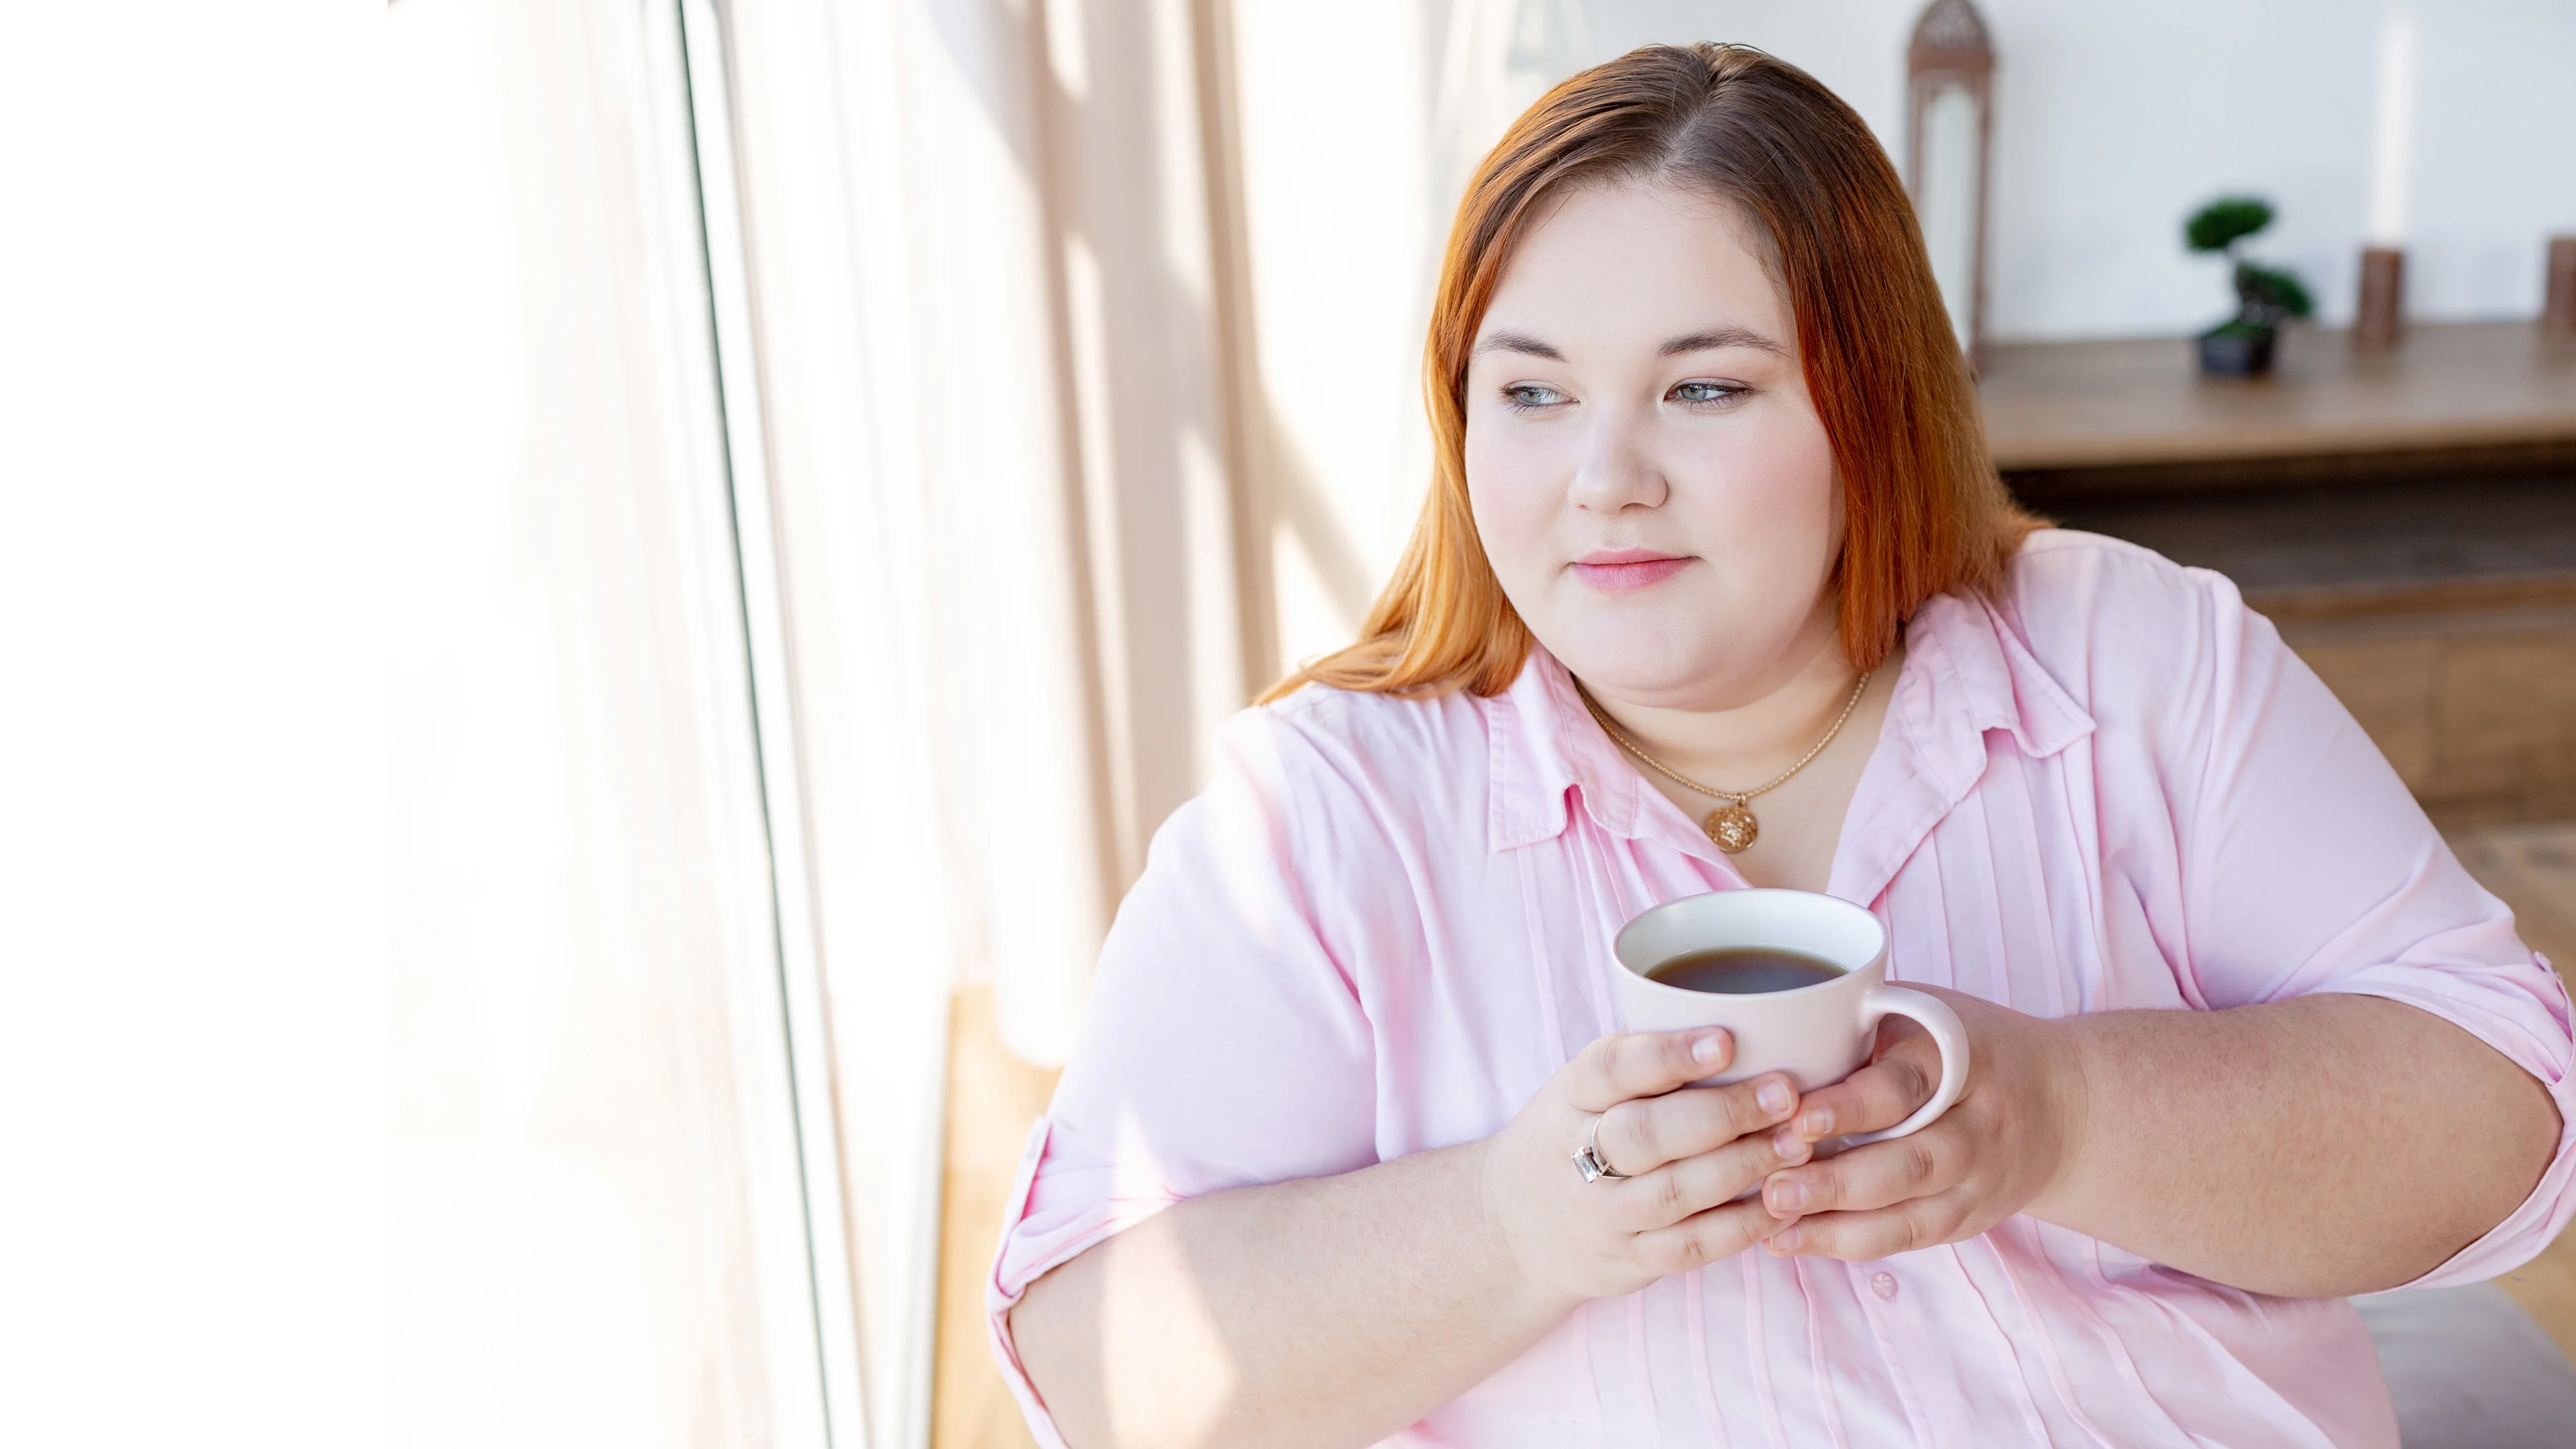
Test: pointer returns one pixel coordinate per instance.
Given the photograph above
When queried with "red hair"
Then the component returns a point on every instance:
(1924, 512)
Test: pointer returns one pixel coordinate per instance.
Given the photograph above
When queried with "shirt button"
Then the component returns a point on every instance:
(1883, 1284)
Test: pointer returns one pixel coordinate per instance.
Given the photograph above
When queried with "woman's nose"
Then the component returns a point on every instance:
(1618, 471)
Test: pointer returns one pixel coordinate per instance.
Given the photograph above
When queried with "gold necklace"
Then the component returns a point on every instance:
(1731, 826)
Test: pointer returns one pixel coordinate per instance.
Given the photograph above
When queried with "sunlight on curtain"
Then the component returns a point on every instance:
(935, 559)
(988, 246)
(597, 1221)
(1361, 122)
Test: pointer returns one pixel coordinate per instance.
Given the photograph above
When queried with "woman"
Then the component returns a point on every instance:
(1712, 506)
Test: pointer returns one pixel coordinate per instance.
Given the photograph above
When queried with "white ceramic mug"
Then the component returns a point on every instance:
(1817, 1034)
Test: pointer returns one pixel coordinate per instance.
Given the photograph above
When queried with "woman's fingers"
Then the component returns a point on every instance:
(1861, 1237)
(1695, 1184)
(1865, 1178)
(1704, 1238)
(1614, 1069)
(1881, 1094)
(1642, 1135)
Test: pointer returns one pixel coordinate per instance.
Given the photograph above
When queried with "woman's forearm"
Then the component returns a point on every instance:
(2329, 1145)
(1337, 1310)
(1330, 1311)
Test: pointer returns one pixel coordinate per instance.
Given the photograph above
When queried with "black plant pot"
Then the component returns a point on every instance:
(2233, 351)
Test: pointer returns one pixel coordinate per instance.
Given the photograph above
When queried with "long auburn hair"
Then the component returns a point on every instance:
(1924, 512)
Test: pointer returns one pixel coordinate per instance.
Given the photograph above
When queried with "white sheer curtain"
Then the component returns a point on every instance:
(598, 1233)
(993, 398)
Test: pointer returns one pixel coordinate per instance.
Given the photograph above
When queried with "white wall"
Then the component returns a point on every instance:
(2115, 118)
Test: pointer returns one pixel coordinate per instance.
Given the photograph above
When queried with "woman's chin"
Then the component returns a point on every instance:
(1671, 659)
(1643, 671)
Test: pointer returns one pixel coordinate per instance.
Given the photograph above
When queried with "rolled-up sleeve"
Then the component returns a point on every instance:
(1224, 1044)
(2308, 867)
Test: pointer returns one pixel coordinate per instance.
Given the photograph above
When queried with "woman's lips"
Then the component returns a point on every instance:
(1627, 570)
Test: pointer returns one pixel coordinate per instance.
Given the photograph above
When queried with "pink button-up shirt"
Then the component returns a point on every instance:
(1388, 921)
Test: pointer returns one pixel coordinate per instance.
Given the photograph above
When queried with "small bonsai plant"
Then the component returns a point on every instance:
(2241, 346)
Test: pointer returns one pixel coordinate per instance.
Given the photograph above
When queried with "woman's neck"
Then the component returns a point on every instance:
(1739, 745)
(1746, 746)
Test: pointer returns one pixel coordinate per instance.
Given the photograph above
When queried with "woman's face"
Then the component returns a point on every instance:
(1649, 476)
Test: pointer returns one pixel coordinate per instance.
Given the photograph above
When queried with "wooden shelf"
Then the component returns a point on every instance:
(2432, 543)
(2142, 402)
(2407, 518)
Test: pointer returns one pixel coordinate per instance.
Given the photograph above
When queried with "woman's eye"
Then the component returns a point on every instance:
(1702, 392)
(1530, 397)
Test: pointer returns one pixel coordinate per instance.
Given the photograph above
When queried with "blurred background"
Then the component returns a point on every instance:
(730, 522)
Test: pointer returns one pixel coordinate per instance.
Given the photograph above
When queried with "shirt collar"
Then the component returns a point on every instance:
(1546, 744)
(1966, 672)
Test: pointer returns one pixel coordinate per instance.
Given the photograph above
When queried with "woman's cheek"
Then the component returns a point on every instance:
(1512, 506)
(1780, 500)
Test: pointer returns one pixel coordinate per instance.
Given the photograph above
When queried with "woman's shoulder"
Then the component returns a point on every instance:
(2135, 639)
(1388, 746)
(2069, 595)
(2065, 567)
(1355, 799)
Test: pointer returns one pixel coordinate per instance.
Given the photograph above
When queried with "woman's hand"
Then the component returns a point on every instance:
(1688, 1153)
(2008, 1139)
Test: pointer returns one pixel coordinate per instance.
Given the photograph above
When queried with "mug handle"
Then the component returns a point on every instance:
(1948, 1032)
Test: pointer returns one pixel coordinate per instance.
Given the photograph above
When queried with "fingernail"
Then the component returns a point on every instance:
(1789, 1147)
(1785, 1240)
(1709, 1048)
(1774, 1096)
(1816, 1124)
(1785, 1196)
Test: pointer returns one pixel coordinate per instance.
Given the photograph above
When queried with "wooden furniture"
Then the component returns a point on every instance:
(993, 1099)
(2408, 518)
(2379, 316)
(2558, 294)
(2060, 407)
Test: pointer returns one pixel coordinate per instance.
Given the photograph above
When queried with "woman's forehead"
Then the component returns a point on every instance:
(1636, 263)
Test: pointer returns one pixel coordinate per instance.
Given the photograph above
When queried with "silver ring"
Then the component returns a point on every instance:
(1589, 1161)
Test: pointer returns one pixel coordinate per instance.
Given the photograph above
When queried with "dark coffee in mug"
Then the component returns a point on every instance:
(1744, 970)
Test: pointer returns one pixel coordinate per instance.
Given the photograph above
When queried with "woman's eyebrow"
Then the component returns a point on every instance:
(1722, 337)
(1519, 342)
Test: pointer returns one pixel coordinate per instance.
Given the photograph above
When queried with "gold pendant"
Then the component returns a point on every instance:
(1731, 828)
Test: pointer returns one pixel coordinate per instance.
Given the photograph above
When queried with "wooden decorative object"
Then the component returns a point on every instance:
(2558, 310)
(2380, 318)
(1949, 151)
